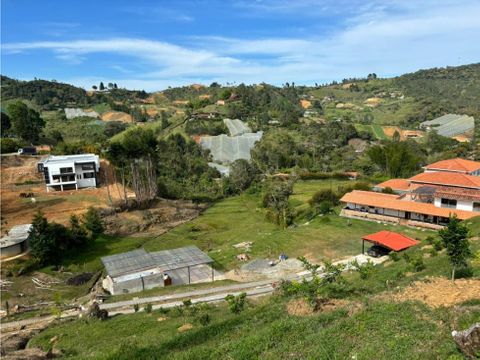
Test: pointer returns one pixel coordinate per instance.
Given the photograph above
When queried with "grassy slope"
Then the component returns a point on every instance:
(374, 331)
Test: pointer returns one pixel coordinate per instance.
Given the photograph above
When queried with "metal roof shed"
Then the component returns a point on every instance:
(137, 261)
(390, 240)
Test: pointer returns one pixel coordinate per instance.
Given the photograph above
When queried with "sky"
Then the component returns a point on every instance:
(151, 45)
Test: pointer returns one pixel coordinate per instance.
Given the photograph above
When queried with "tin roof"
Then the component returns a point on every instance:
(139, 260)
(16, 235)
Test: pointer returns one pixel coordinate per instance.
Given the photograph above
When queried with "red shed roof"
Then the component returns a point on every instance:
(391, 240)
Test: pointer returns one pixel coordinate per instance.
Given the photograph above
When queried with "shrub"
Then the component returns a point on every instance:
(433, 252)
(388, 190)
(322, 196)
(203, 319)
(148, 308)
(8, 145)
(416, 262)
(464, 272)
(236, 304)
(325, 207)
(136, 307)
(393, 255)
(365, 270)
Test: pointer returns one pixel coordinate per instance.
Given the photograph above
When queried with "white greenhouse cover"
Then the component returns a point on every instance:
(72, 113)
(237, 127)
(226, 149)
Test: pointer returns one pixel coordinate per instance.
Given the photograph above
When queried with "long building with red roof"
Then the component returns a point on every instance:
(446, 188)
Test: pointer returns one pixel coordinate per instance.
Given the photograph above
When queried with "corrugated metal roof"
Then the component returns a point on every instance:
(451, 124)
(16, 235)
(139, 260)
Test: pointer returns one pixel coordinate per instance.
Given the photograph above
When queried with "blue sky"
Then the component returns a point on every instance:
(154, 44)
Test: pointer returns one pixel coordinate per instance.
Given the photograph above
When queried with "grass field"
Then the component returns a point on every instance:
(364, 325)
(239, 219)
(375, 130)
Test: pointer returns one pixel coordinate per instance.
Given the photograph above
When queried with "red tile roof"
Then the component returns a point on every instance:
(448, 179)
(395, 184)
(449, 192)
(388, 201)
(457, 165)
(391, 240)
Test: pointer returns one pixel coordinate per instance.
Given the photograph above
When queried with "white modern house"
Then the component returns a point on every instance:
(68, 172)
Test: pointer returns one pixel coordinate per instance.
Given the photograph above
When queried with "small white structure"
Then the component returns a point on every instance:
(15, 242)
(67, 172)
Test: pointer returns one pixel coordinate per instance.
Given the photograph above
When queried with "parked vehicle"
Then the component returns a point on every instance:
(28, 150)
(377, 251)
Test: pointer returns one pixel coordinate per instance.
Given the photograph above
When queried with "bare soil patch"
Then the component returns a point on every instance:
(436, 292)
(300, 307)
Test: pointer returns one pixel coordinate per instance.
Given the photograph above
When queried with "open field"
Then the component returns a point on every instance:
(354, 325)
(375, 130)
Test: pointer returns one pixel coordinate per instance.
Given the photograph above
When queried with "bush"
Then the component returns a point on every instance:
(148, 308)
(325, 207)
(365, 270)
(393, 255)
(388, 190)
(8, 145)
(203, 319)
(416, 262)
(433, 252)
(322, 196)
(136, 307)
(464, 272)
(236, 304)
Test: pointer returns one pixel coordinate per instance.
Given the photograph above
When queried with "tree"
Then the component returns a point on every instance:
(6, 124)
(242, 174)
(78, 233)
(26, 122)
(43, 240)
(454, 238)
(94, 87)
(396, 159)
(276, 200)
(93, 222)
(236, 304)
(101, 87)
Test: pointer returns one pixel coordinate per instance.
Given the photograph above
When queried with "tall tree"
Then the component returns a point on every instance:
(455, 240)
(6, 124)
(101, 86)
(26, 122)
(93, 222)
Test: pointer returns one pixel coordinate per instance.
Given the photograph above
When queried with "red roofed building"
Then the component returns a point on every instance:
(390, 240)
(427, 199)
(457, 165)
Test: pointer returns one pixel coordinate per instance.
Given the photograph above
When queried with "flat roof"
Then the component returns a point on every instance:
(16, 235)
(74, 158)
(393, 202)
(140, 260)
(391, 240)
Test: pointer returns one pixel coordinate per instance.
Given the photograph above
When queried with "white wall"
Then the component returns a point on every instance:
(466, 205)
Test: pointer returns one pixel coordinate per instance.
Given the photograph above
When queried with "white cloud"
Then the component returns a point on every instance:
(393, 39)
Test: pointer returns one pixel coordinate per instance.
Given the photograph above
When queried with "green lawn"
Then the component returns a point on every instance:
(239, 219)
(378, 131)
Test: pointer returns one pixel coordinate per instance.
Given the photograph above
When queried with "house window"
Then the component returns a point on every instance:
(79, 176)
(66, 170)
(88, 167)
(476, 206)
(449, 203)
(89, 175)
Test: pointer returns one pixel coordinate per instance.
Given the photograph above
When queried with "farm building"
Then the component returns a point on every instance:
(15, 242)
(450, 125)
(69, 172)
(138, 270)
(427, 199)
